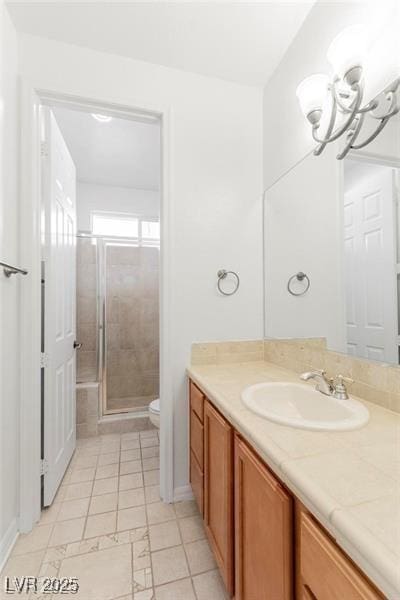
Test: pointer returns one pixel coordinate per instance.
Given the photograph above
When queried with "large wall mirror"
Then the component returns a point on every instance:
(338, 223)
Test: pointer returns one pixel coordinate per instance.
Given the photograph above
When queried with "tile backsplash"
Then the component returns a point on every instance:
(210, 353)
(374, 382)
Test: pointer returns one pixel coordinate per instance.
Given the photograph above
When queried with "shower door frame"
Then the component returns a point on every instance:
(101, 252)
(33, 96)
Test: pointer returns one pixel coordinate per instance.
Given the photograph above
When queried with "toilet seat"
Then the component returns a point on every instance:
(154, 406)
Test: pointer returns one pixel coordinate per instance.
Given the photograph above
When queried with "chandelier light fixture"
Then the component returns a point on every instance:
(342, 96)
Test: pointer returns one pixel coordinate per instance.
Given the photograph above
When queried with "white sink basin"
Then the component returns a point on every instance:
(299, 405)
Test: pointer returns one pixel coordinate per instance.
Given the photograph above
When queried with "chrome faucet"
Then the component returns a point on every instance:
(330, 387)
(324, 385)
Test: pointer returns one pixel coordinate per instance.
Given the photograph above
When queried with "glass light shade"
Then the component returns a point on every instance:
(312, 92)
(101, 118)
(348, 49)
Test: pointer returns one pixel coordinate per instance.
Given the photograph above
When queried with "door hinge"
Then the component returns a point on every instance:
(44, 360)
(44, 150)
(44, 466)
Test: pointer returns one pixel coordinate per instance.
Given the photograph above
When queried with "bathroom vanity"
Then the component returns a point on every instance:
(271, 538)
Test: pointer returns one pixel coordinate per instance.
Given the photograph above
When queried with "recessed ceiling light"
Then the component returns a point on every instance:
(101, 118)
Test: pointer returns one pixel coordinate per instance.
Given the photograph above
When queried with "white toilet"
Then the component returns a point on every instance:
(154, 412)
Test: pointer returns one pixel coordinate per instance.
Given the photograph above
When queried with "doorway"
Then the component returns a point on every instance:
(372, 259)
(33, 99)
(104, 282)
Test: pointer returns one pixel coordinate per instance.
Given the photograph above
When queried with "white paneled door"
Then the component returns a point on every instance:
(59, 255)
(370, 267)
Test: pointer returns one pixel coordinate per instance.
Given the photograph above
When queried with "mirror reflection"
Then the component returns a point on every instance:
(332, 250)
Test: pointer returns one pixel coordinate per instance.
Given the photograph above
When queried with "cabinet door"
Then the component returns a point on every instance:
(218, 490)
(263, 531)
(325, 571)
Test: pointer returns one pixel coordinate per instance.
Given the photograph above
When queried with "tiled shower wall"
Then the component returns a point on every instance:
(132, 317)
(86, 310)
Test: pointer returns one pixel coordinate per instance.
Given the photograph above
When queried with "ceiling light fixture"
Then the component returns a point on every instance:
(344, 94)
(101, 118)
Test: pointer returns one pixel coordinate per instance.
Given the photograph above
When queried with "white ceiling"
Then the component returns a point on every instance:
(121, 152)
(238, 41)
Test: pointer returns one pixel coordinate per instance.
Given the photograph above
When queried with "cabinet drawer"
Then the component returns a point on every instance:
(326, 572)
(196, 438)
(197, 401)
(197, 482)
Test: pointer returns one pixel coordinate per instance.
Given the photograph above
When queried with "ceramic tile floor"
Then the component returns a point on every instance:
(108, 527)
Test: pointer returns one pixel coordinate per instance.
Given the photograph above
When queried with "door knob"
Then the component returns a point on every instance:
(77, 345)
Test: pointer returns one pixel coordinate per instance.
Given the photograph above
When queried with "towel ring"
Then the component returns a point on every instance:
(300, 276)
(222, 274)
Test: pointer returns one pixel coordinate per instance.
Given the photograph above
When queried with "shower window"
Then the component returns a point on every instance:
(150, 230)
(144, 231)
(115, 225)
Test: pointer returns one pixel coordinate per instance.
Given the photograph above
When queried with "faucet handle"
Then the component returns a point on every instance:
(339, 387)
(341, 379)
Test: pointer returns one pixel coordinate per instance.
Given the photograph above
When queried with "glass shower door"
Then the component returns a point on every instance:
(130, 326)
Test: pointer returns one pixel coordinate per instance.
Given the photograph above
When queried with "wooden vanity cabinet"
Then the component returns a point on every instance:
(266, 544)
(263, 530)
(323, 571)
(196, 417)
(218, 490)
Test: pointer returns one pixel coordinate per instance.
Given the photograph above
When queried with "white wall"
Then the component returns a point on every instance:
(304, 196)
(91, 196)
(9, 296)
(216, 182)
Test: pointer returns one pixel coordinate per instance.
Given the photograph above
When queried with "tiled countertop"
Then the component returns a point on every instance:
(349, 480)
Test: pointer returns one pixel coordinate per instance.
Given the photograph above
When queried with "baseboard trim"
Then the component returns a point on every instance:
(183, 493)
(7, 542)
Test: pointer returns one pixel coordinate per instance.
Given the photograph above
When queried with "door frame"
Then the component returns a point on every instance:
(30, 303)
(368, 158)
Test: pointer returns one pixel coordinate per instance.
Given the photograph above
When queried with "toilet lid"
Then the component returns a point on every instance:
(154, 405)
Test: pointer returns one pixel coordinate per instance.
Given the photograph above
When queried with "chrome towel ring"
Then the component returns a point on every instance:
(223, 274)
(300, 276)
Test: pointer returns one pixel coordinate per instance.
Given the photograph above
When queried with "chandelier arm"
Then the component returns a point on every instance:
(393, 108)
(373, 135)
(353, 135)
(329, 130)
(348, 109)
(345, 125)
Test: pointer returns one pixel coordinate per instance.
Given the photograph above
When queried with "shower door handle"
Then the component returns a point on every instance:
(77, 345)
